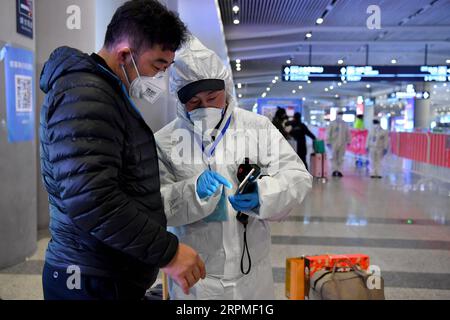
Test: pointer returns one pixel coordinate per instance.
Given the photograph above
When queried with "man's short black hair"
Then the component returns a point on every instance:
(146, 23)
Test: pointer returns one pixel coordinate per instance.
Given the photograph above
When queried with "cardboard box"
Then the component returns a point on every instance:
(295, 278)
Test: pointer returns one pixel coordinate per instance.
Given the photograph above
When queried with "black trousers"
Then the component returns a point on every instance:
(303, 157)
(54, 281)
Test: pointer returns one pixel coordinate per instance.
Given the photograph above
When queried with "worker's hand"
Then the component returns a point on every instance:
(186, 268)
(209, 182)
(245, 202)
(385, 152)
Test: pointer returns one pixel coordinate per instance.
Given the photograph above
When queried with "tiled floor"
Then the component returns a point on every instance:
(401, 222)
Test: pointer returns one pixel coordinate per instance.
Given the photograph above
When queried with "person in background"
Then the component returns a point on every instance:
(299, 132)
(279, 121)
(377, 147)
(359, 122)
(338, 137)
(359, 125)
(100, 166)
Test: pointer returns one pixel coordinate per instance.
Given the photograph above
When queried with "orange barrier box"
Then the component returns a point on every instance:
(300, 270)
(295, 278)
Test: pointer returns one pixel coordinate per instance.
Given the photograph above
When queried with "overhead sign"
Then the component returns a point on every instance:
(24, 17)
(411, 93)
(366, 73)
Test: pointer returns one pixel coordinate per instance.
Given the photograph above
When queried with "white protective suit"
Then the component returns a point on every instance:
(377, 142)
(339, 137)
(220, 244)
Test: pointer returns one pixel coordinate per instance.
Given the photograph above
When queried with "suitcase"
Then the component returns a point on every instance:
(318, 164)
(319, 146)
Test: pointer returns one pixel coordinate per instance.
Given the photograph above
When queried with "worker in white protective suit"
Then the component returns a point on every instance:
(338, 137)
(377, 145)
(198, 170)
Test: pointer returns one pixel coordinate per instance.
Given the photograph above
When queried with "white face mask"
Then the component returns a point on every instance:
(144, 87)
(206, 119)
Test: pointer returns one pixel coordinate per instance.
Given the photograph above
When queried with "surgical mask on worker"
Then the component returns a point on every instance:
(144, 87)
(206, 119)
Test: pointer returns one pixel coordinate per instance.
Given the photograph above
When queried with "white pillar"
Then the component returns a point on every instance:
(18, 166)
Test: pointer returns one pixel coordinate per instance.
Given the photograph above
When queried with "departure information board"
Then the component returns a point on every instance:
(366, 73)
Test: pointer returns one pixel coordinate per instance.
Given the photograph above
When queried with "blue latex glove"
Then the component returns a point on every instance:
(385, 152)
(245, 202)
(220, 213)
(209, 182)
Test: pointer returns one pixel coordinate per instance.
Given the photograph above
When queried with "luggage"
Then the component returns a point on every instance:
(318, 164)
(319, 146)
(353, 284)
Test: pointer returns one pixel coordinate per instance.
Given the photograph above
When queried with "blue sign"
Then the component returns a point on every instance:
(268, 106)
(20, 95)
(24, 17)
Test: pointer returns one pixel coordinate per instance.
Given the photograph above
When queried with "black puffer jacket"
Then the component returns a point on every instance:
(100, 167)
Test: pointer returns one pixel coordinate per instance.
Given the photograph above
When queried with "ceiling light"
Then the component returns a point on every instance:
(238, 69)
(447, 61)
(340, 61)
(339, 84)
(238, 60)
(319, 20)
(238, 65)
(239, 85)
(288, 61)
(293, 91)
(331, 87)
(274, 81)
(309, 35)
(368, 86)
(267, 89)
(304, 99)
(235, 9)
(240, 95)
(236, 21)
(336, 96)
(300, 87)
(264, 95)
(326, 89)
(276, 78)
(394, 61)
(315, 101)
(309, 81)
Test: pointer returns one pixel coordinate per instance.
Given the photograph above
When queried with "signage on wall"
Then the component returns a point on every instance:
(366, 73)
(24, 17)
(20, 93)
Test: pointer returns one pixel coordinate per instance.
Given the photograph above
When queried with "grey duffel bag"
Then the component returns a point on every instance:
(346, 285)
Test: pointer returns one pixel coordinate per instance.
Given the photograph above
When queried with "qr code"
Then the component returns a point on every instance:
(24, 93)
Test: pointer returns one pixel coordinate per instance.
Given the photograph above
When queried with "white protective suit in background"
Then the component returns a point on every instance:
(378, 144)
(338, 135)
(220, 244)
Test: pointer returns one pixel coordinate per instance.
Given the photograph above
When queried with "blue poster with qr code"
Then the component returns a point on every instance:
(20, 93)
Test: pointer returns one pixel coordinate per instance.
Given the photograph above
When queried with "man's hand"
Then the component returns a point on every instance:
(186, 268)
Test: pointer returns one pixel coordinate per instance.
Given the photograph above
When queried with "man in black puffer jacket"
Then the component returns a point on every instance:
(100, 166)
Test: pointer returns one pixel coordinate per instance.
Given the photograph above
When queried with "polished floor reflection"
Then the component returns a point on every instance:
(402, 222)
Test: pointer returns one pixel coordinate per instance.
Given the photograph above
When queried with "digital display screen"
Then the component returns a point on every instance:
(366, 73)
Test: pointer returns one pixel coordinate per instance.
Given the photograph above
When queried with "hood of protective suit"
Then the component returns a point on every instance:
(194, 62)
